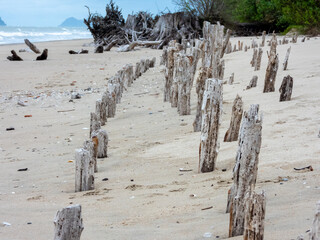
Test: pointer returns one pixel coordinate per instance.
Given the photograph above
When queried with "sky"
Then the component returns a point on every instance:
(51, 13)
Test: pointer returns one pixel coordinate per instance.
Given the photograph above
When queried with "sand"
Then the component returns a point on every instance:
(146, 196)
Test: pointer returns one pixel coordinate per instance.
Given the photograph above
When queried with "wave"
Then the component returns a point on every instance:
(9, 35)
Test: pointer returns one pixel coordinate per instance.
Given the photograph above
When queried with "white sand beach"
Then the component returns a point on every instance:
(146, 196)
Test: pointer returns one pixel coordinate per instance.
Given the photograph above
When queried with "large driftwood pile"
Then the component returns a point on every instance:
(140, 29)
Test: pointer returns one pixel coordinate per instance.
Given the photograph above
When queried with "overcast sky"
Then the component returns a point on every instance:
(45, 13)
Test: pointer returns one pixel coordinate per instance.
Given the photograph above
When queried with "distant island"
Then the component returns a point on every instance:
(72, 22)
(2, 23)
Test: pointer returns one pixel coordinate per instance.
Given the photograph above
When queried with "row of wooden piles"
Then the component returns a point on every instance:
(246, 208)
(68, 221)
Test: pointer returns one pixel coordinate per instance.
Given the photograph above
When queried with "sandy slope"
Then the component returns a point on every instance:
(146, 196)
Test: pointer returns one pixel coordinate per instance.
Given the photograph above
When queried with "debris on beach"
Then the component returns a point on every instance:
(32, 46)
(82, 51)
(10, 129)
(22, 169)
(14, 56)
(304, 169)
(43, 56)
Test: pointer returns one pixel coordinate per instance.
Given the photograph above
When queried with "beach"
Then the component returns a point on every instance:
(147, 196)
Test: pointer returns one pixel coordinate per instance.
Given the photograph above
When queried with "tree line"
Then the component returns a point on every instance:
(279, 14)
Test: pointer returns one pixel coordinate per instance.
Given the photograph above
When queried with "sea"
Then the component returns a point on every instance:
(13, 35)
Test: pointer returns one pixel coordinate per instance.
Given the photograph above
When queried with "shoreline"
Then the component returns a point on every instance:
(49, 41)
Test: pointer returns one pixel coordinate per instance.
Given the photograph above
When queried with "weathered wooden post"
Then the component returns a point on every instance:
(153, 62)
(137, 70)
(286, 59)
(212, 67)
(94, 123)
(253, 82)
(211, 113)
(229, 48)
(258, 60)
(169, 63)
(272, 69)
(225, 42)
(101, 139)
(68, 223)
(92, 147)
(254, 57)
(164, 56)
(112, 103)
(84, 179)
(315, 231)
(236, 116)
(231, 79)
(263, 38)
(101, 112)
(286, 88)
(254, 216)
(246, 168)
(295, 38)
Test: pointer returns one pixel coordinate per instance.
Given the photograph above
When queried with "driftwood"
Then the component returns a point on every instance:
(84, 180)
(286, 59)
(101, 137)
(101, 111)
(286, 88)
(82, 51)
(43, 56)
(236, 116)
(253, 82)
(132, 45)
(95, 123)
(246, 167)
(92, 147)
(211, 115)
(14, 56)
(32, 46)
(211, 64)
(272, 67)
(110, 45)
(255, 210)
(99, 49)
(315, 230)
(68, 223)
(258, 60)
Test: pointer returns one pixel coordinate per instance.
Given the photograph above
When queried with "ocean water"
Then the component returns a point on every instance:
(10, 35)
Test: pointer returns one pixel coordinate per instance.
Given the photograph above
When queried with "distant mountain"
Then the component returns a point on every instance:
(72, 22)
(2, 23)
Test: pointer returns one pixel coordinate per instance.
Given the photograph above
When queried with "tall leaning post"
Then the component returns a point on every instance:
(246, 168)
(68, 223)
(211, 115)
